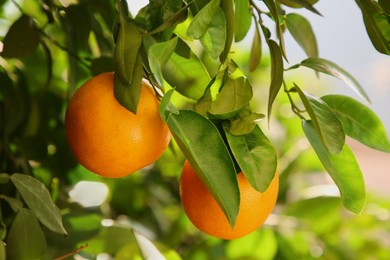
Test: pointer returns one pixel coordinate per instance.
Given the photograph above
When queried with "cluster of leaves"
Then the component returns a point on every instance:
(162, 39)
(184, 45)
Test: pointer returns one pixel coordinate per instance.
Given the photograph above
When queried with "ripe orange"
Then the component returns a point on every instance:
(204, 212)
(108, 139)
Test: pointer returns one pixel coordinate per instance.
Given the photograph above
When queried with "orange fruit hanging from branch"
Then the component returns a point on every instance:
(205, 213)
(108, 139)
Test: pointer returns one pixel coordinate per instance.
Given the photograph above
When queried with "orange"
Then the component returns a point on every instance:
(204, 212)
(108, 139)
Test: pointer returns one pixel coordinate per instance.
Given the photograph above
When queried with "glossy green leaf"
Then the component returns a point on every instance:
(207, 153)
(128, 95)
(325, 121)
(330, 68)
(343, 168)
(377, 25)
(127, 61)
(22, 38)
(255, 56)
(301, 30)
(275, 15)
(188, 76)
(228, 11)
(37, 198)
(359, 121)
(234, 95)
(214, 39)
(255, 155)
(308, 4)
(276, 74)
(158, 55)
(242, 19)
(166, 107)
(244, 122)
(25, 240)
(199, 25)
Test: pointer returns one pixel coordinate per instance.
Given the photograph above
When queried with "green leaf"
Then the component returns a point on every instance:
(359, 121)
(37, 198)
(377, 25)
(213, 40)
(244, 122)
(203, 105)
(308, 4)
(101, 65)
(255, 57)
(275, 15)
(343, 168)
(234, 95)
(301, 30)
(255, 155)
(166, 107)
(207, 153)
(276, 73)
(180, 15)
(242, 19)
(188, 76)
(25, 240)
(200, 24)
(14, 203)
(22, 38)
(128, 95)
(158, 55)
(228, 11)
(128, 63)
(330, 68)
(325, 121)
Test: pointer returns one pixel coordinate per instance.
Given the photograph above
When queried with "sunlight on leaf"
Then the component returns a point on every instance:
(359, 122)
(207, 153)
(343, 168)
(255, 155)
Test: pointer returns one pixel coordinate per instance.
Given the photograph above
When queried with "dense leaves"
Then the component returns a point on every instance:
(212, 104)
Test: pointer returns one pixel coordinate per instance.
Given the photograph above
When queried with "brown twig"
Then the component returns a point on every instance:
(81, 248)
